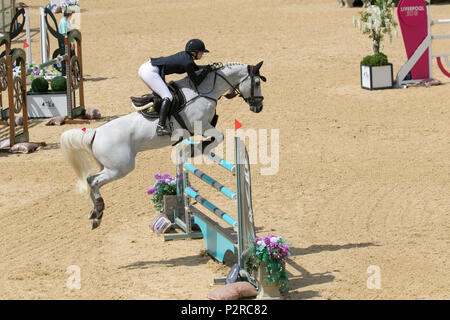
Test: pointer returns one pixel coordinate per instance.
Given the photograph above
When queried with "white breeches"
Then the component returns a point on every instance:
(150, 75)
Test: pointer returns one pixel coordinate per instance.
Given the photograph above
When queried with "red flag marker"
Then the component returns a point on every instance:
(84, 129)
(237, 125)
(25, 45)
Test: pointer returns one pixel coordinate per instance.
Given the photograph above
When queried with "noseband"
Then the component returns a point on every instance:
(252, 100)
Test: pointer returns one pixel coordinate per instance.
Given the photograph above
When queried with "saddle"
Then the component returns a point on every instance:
(178, 102)
(177, 105)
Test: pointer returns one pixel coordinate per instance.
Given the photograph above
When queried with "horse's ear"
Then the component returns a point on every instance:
(256, 71)
(258, 66)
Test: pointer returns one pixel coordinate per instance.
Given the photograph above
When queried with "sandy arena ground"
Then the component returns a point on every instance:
(363, 176)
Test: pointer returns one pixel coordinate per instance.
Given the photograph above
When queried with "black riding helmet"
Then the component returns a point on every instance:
(195, 45)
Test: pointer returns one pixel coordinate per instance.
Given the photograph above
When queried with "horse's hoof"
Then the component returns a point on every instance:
(95, 224)
(92, 215)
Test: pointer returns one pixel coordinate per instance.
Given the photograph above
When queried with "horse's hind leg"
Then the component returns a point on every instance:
(98, 180)
(97, 200)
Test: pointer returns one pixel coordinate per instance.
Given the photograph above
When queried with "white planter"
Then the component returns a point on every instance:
(377, 77)
(47, 105)
(266, 291)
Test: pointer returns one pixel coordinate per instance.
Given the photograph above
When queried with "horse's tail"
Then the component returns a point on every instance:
(76, 147)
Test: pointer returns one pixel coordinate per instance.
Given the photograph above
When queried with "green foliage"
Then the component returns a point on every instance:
(271, 252)
(164, 185)
(39, 85)
(377, 20)
(378, 59)
(58, 83)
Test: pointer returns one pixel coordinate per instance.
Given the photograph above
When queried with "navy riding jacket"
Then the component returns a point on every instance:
(180, 62)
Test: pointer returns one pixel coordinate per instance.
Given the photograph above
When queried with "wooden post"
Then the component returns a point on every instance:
(24, 98)
(81, 88)
(69, 77)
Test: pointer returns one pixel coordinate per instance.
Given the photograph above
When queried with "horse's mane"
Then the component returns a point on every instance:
(231, 63)
(185, 82)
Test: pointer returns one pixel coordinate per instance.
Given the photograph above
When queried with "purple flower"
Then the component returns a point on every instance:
(158, 176)
(152, 190)
(166, 176)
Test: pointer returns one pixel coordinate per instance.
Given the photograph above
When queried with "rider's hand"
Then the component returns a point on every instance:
(209, 68)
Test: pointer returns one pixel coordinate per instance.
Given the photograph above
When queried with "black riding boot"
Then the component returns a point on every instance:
(162, 129)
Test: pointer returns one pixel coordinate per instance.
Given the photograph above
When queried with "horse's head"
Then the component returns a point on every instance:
(250, 88)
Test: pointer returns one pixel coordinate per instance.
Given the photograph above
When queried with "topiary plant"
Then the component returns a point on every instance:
(39, 85)
(59, 83)
(378, 59)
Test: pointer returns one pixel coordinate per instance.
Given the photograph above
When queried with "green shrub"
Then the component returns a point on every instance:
(378, 59)
(39, 85)
(58, 84)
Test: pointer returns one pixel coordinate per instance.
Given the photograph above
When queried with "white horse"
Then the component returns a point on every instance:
(114, 145)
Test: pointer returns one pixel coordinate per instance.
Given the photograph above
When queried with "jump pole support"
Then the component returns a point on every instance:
(400, 81)
(217, 239)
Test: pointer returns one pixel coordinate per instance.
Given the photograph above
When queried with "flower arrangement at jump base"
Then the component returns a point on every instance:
(267, 255)
(164, 185)
(46, 73)
(164, 188)
(376, 21)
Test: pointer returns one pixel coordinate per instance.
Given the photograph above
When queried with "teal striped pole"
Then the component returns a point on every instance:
(218, 212)
(215, 158)
(213, 183)
(223, 163)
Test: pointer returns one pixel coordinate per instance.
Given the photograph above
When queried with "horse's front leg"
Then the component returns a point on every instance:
(213, 138)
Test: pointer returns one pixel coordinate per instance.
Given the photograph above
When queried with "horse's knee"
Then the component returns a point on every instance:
(211, 143)
(90, 179)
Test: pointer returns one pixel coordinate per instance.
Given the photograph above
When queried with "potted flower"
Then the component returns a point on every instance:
(376, 21)
(266, 257)
(164, 194)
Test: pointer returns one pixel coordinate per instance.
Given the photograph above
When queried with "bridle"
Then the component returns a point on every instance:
(253, 101)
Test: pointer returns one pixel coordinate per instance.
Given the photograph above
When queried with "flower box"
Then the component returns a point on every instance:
(170, 205)
(377, 77)
(47, 104)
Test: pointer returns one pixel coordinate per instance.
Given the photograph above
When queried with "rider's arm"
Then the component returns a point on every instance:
(196, 79)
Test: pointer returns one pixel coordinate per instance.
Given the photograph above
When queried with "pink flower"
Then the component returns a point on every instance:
(152, 190)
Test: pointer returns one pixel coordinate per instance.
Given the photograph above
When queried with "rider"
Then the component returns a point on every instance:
(154, 71)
